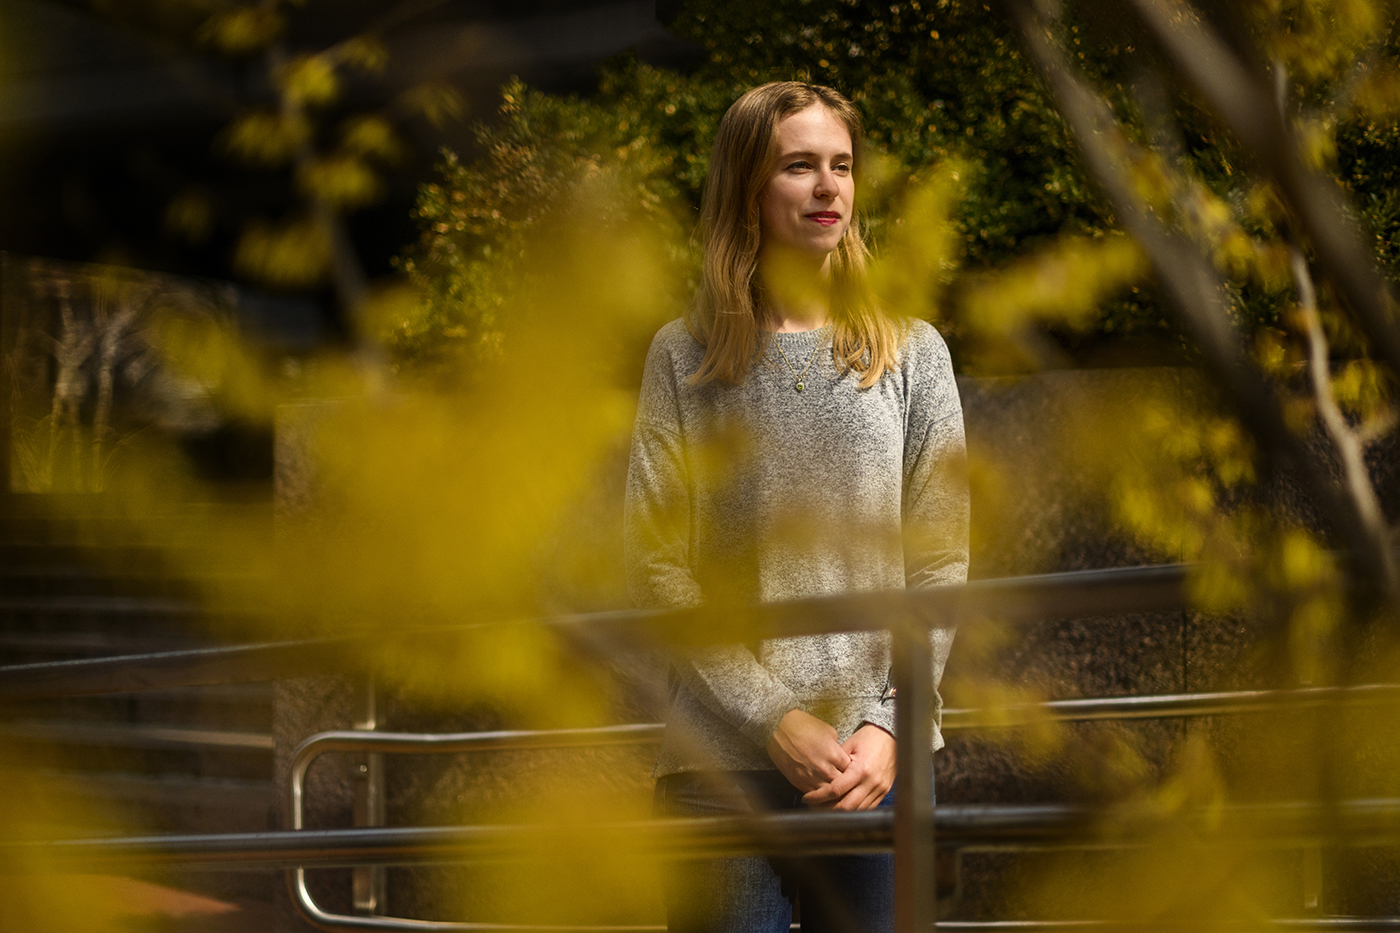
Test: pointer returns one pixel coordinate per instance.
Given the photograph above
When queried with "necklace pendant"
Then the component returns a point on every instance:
(799, 386)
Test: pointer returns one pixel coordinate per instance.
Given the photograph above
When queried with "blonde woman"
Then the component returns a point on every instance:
(793, 439)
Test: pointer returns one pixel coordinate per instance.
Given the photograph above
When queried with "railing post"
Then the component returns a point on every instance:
(367, 882)
(915, 891)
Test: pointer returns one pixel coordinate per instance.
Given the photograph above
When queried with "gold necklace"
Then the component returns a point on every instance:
(802, 376)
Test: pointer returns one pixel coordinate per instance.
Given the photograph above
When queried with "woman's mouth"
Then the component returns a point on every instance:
(825, 218)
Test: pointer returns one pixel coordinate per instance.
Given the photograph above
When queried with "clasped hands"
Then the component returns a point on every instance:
(851, 775)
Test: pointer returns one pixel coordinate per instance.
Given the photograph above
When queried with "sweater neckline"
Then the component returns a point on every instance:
(802, 339)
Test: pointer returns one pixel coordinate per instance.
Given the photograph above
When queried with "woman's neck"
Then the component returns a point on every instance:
(796, 290)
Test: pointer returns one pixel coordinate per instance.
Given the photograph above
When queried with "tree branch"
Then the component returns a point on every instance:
(1247, 103)
(1358, 479)
(1196, 291)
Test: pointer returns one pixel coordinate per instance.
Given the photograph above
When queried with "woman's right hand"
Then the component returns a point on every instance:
(806, 751)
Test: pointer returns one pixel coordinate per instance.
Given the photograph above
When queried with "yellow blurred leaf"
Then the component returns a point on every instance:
(388, 308)
(264, 137)
(1361, 386)
(243, 30)
(1064, 283)
(1317, 142)
(366, 53)
(310, 80)
(294, 253)
(915, 265)
(339, 180)
(437, 102)
(371, 135)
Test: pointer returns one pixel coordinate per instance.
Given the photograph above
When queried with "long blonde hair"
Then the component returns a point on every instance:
(728, 309)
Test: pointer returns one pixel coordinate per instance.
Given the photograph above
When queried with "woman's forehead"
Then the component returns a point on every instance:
(815, 129)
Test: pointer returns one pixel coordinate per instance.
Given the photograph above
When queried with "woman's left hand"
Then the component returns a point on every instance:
(866, 780)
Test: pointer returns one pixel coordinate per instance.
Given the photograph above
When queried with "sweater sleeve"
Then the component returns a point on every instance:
(657, 518)
(935, 493)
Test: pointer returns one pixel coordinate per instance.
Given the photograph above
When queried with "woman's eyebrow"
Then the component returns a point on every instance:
(810, 154)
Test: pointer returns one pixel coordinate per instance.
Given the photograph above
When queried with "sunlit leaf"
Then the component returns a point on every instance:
(310, 80)
(294, 253)
(366, 53)
(371, 135)
(437, 102)
(264, 137)
(340, 180)
(243, 30)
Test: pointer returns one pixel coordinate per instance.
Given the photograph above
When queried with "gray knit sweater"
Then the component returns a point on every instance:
(757, 492)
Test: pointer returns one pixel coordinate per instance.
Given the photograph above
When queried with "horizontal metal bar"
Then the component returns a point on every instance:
(1162, 706)
(1356, 822)
(1357, 924)
(135, 735)
(1076, 710)
(138, 673)
(782, 833)
(351, 740)
(1017, 600)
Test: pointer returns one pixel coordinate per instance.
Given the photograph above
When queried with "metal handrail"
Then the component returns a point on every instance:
(911, 829)
(1171, 705)
(1090, 709)
(1014, 600)
(957, 826)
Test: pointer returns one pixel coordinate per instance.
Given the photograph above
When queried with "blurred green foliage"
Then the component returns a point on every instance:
(939, 81)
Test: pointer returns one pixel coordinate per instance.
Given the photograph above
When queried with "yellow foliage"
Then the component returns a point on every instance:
(1263, 206)
(1317, 142)
(1302, 562)
(265, 137)
(210, 354)
(387, 308)
(339, 180)
(1378, 94)
(366, 53)
(371, 135)
(296, 252)
(1013, 712)
(1362, 387)
(1233, 250)
(310, 80)
(1271, 352)
(244, 29)
(1312, 629)
(1065, 283)
(919, 257)
(1152, 179)
(40, 897)
(436, 101)
(1217, 586)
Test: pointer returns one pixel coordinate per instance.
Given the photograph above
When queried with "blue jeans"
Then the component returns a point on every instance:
(755, 894)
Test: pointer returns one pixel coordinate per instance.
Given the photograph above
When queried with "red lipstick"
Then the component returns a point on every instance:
(825, 218)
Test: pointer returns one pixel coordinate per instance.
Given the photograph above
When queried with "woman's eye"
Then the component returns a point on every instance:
(799, 165)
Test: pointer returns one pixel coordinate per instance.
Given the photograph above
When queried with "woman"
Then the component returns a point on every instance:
(792, 440)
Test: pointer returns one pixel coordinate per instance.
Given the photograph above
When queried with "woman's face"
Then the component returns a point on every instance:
(810, 196)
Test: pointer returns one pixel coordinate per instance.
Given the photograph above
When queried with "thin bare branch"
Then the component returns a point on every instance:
(1197, 292)
(1357, 478)
(1247, 103)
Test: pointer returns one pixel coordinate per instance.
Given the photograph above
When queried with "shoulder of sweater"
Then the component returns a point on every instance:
(675, 340)
(923, 345)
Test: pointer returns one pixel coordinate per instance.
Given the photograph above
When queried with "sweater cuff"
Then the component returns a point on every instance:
(881, 713)
(759, 727)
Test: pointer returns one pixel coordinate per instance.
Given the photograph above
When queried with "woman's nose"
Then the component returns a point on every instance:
(825, 186)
